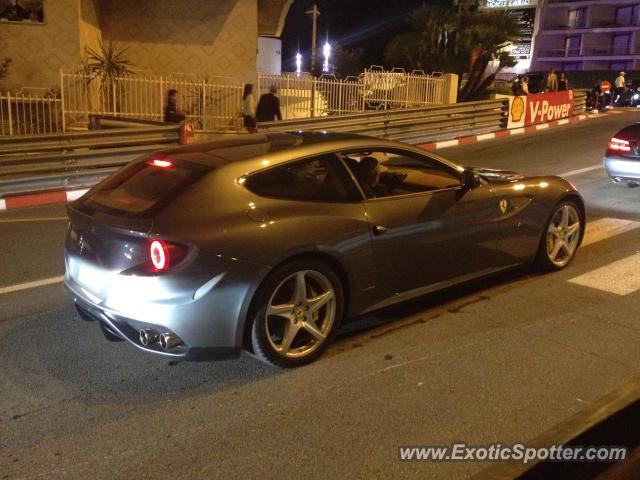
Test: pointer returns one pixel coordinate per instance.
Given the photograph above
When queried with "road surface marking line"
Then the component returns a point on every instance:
(621, 277)
(35, 219)
(75, 194)
(517, 131)
(3, 205)
(486, 136)
(542, 126)
(447, 143)
(563, 121)
(604, 228)
(28, 285)
(581, 117)
(580, 170)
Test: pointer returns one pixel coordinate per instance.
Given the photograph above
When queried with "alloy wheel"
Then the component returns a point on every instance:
(563, 235)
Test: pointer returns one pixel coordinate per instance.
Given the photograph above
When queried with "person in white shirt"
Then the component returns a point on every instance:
(249, 108)
(619, 87)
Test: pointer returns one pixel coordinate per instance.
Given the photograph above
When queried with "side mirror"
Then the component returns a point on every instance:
(469, 180)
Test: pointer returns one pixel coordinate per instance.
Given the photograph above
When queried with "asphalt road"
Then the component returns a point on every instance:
(496, 361)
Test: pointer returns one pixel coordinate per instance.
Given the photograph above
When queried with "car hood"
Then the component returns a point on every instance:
(497, 176)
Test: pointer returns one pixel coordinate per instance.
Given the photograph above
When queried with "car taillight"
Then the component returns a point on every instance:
(619, 145)
(160, 163)
(159, 255)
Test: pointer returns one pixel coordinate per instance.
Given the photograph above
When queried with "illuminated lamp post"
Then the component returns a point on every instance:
(326, 51)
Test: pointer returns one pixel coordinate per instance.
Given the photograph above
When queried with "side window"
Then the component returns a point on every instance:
(391, 173)
(321, 178)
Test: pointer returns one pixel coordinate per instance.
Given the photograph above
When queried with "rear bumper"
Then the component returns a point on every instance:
(127, 329)
(622, 169)
(205, 313)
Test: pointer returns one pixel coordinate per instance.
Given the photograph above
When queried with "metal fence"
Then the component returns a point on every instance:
(304, 96)
(30, 113)
(210, 103)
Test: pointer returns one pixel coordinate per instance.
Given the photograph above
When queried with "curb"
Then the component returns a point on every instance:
(36, 199)
(470, 139)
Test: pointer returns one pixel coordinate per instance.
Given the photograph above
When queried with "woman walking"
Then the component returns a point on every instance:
(249, 108)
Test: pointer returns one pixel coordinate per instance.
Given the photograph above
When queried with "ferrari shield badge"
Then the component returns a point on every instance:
(503, 206)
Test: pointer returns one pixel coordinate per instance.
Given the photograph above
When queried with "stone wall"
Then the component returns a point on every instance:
(39, 50)
(197, 37)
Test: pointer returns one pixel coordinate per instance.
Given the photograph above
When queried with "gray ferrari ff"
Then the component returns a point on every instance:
(267, 242)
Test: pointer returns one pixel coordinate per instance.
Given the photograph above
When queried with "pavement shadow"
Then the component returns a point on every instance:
(58, 351)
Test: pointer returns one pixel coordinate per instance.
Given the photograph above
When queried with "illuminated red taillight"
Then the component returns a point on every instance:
(160, 163)
(159, 255)
(619, 145)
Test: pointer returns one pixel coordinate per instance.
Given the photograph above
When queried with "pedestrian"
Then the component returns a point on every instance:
(524, 85)
(551, 81)
(171, 113)
(563, 82)
(620, 87)
(249, 108)
(269, 106)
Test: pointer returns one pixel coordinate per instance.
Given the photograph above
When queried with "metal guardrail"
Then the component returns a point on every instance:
(48, 162)
(418, 125)
(76, 160)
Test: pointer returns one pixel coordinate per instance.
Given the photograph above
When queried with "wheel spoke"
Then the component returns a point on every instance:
(311, 327)
(554, 230)
(283, 310)
(300, 290)
(556, 249)
(288, 335)
(317, 302)
(572, 229)
(565, 217)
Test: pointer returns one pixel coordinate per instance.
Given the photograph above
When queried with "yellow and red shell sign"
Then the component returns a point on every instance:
(517, 109)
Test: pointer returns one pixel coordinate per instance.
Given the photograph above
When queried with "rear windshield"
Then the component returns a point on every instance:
(142, 188)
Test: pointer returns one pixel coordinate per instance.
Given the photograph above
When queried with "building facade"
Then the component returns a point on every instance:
(526, 14)
(588, 35)
(198, 37)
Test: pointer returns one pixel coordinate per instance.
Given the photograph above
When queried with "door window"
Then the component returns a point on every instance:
(388, 173)
(320, 178)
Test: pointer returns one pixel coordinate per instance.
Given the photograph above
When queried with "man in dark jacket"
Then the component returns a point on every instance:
(269, 107)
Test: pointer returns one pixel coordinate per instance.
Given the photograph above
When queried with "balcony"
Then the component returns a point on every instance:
(596, 23)
(588, 52)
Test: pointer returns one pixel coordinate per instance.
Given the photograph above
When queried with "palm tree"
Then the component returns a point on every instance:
(108, 64)
(485, 38)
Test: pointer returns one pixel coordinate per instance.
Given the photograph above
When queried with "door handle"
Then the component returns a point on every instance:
(379, 229)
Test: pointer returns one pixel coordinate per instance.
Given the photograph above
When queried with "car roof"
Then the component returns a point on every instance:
(279, 146)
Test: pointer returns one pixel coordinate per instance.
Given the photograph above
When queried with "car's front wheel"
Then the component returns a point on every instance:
(297, 312)
(561, 237)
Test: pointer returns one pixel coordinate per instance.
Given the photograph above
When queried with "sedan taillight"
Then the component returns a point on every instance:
(619, 145)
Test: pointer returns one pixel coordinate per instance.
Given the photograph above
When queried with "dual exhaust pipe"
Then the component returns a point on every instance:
(167, 340)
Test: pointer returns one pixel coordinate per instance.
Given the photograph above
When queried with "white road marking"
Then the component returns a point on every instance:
(28, 285)
(607, 227)
(447, 143)
(542, 126)
(486, 136)
(3, 204)
(563, 121)
(517, 131)
(75, 194)
(582, 117)
(621, 277)
(580, 170)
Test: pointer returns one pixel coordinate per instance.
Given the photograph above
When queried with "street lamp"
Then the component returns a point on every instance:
(298, 63)
(326, 51)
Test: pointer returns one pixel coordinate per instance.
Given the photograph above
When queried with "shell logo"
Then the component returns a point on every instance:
(517, 109)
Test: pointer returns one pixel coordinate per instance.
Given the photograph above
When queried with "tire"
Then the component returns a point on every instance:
(297, 311)
(561, 236)
(631, 184)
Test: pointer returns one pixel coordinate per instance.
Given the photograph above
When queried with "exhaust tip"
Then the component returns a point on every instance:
(148, 336)
(169, 341)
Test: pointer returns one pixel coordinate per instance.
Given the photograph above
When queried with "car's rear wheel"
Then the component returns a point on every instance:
(561, 237)
(631, 184)
(297, 312)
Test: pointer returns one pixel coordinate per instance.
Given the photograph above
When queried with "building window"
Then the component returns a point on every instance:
(572, 46)
(620, 44)
(577, 18)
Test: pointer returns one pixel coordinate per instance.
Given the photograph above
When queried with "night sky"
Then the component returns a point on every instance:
(367, 24)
